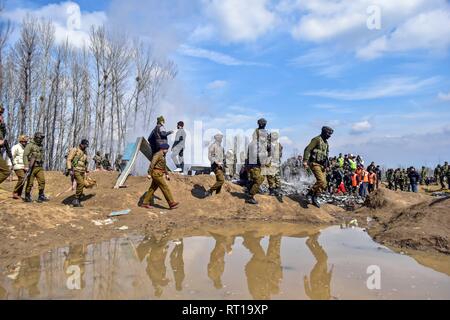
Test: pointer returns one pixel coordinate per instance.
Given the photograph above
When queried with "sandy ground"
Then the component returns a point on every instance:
(416, 222)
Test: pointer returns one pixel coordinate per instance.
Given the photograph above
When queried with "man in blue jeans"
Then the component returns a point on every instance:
(414, 179)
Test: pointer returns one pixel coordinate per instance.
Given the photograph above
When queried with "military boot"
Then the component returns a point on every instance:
(315, 201)
(42, 198)
(207, 194)
(76, 203)
(28, 198)
(252, 200)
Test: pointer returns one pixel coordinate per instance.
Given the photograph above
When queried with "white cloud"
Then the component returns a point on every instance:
(69, 21)
(286, 141)
(383, 88)
(361, 127)
(240, 21)
(322, 60)
(444, 96)
(428, 31)
(213, 56)
(217, 84)
(405, 24)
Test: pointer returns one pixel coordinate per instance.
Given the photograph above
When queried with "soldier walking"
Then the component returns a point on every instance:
(77, 167)
(106, 163)
(216, 155)
(157, 171)
(33, 160)
(316, 158)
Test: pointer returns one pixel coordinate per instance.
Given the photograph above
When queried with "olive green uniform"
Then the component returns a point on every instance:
(77, 161)
(257, 180)
(157, 170)
(316, 153)
(4, 168)
(33, 150)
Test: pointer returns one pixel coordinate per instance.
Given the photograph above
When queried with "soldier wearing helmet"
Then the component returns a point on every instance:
(33, 160)
(316, 158)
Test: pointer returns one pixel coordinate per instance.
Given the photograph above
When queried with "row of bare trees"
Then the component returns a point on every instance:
(101, 92)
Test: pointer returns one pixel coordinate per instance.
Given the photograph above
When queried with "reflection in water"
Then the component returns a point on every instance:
(318, 287)
(76, 257)
(137, 268)
(263, 271)
(216, 265)
(28, 277)
(156, 251)
(177, 264)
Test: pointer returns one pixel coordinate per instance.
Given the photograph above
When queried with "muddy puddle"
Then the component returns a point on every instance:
(241, 261)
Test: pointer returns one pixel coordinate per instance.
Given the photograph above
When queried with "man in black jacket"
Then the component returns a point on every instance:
(159, 135)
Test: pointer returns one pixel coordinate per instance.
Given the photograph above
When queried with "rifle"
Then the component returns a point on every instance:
(30, 170)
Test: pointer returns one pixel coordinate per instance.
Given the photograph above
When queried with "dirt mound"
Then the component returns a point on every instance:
(422, 226)
(385, 198)
(35, 227)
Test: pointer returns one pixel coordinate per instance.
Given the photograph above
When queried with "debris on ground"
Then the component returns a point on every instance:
(123, 228)
(104, 222)
(347, 202)
(441, 194)
(119, 213)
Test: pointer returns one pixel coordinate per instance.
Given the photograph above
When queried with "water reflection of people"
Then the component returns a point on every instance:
(76, 257)
(156, 267)
(263, 271)
(216, 265)
(29, 275)
(177, 264)
(318, 287)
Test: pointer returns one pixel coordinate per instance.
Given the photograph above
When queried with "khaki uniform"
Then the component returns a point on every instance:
(273, 172)
(18, 189)
(216, 155)
(316, 153)
(157, 170)
(257, 180)
(77, 160)
(4, 168)
(33, 150)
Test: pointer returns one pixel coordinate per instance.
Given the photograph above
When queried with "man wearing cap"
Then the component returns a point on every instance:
(316, 158)
(159, 135)
(178, 147)
(77, 167)
(33, 159)
(216, 155)
(18, 165)
(4, 168)
(157, 171)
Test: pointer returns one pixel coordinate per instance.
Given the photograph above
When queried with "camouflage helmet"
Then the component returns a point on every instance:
(160, 119)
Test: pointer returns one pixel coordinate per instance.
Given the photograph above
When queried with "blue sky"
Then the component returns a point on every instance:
(299, 63)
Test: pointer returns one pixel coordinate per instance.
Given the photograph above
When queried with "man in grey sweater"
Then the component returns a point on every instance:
(178, 147)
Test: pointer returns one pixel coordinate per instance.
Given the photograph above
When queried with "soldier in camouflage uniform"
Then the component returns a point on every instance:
(423, 175)
(98, 160)
(257, 156)
(216, 155)
(77, 167)
(390, 178)
(316, 158)
(106, 163)
(437, 174)
(119, 163)
(4, 168)
(444, 174)
(33, 159)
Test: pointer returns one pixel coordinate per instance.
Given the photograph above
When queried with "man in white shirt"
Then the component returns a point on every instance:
(18, 165)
